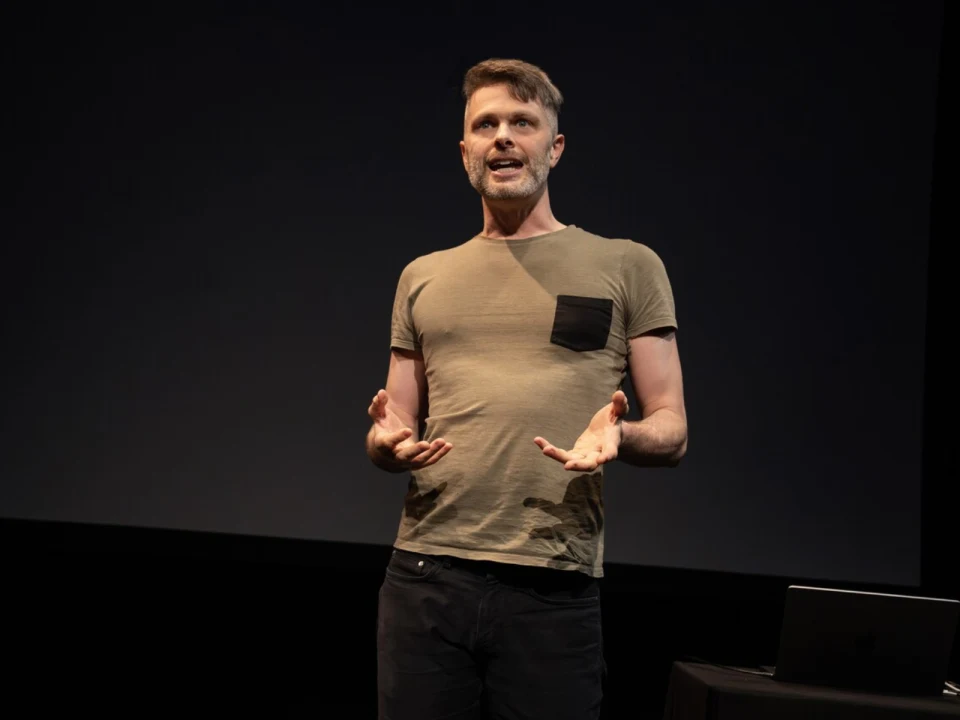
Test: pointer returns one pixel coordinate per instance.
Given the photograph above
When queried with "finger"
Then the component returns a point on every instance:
(388, 441)
(447, 447)
(552, 451)
(558, 454)
(408, 453)
(582, 464)
(425, 455)
(543, 444)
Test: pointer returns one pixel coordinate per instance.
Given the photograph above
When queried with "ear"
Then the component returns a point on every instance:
(556, 149)
(463, 153)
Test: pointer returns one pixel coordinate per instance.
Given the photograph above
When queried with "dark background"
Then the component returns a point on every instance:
(210, 211)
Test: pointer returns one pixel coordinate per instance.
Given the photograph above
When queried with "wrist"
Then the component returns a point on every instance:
(656, 441)
(630, 432)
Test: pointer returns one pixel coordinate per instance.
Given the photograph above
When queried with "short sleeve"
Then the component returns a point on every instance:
(648, 296)
(403, 331)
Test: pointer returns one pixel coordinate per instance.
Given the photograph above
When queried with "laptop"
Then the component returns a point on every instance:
(874, 642)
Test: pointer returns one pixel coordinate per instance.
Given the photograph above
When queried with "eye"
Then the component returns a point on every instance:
(484, 124)
(522, 123)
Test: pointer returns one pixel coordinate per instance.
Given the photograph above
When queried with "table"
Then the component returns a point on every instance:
(697, 691)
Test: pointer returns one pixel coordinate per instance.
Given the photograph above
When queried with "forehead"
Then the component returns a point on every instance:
(497, 99)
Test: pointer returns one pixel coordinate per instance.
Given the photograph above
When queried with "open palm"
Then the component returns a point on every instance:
(393, 438)
(598, 444)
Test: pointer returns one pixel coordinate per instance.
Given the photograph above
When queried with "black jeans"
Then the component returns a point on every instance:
(463, 639)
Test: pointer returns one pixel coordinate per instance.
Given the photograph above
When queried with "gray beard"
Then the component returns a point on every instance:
(534, 176)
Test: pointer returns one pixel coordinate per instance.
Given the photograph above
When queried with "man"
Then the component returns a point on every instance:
(503, 402)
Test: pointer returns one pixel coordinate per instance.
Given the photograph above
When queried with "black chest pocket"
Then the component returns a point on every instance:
(582, 323)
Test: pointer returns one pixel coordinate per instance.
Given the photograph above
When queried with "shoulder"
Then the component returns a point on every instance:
(428, 263)
(630, 252)
(640, 255)
(582, 236)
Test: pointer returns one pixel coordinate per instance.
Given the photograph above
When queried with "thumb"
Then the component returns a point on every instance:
(620, 405)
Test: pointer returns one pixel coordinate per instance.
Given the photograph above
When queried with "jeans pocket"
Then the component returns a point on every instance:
(411, 566)
(576, 594)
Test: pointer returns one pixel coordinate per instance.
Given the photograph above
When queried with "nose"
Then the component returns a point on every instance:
(503, 138)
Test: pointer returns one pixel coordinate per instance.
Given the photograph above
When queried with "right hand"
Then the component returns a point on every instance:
(393, 439)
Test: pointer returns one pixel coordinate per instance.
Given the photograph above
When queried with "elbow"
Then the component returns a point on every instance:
(679, 453)
(676, 440)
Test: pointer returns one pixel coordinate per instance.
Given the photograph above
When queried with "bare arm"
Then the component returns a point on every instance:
(392, 442)
(660, 437)
(407, 388)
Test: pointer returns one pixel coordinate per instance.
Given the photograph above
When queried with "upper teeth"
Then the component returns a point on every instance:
(502, 163)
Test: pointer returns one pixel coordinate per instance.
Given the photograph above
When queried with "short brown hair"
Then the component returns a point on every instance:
(526, 82)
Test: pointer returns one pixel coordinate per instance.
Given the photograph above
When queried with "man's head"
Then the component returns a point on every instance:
(510, 131)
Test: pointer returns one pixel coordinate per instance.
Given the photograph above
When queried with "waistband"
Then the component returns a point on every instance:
(510, 572)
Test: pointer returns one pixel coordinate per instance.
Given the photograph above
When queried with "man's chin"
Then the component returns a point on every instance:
(507, 192)
(506, 195)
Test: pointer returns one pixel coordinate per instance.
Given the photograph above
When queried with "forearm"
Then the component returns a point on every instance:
(659, 440)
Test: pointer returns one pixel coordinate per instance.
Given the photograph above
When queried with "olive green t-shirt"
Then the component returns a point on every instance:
(520, 338)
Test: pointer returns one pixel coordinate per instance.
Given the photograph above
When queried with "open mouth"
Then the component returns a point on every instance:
(505, 167)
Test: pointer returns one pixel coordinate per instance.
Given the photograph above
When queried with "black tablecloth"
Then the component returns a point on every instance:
(699, 691)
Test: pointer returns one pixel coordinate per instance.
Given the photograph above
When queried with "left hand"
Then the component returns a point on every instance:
(598, 444)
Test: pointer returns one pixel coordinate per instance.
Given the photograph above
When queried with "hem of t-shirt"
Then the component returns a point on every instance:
(514, 242)
(595, 571)
(403, 344)
(663, 322)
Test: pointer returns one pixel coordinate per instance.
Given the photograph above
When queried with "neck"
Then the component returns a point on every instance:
(521, 218)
